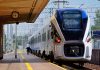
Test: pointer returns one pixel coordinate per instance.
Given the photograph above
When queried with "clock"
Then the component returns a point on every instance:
(15, 14)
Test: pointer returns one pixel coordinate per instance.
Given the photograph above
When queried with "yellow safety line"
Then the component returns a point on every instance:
(27, 64)
(20, 67)
(58, 66)
(30, 68)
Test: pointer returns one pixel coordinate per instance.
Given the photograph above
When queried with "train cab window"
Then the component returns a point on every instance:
(55, 34)
(71, 20)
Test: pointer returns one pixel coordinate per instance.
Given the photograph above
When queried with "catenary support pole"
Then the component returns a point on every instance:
(1, 41)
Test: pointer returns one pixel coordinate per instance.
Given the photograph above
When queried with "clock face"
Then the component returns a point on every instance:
(15, 14)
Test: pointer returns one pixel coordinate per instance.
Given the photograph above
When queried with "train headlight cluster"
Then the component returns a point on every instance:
(74, 49)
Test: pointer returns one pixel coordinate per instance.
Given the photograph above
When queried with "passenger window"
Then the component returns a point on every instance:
(44, 37)
(52, 35)
(48, 34)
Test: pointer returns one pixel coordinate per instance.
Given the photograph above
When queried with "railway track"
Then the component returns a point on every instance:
(75, 66)
(71, 66)
(87, 66)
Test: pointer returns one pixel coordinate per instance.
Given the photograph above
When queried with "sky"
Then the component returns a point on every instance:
(24, 28)
(88, 3)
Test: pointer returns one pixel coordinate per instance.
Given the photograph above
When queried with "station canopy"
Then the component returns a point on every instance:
(12, 11)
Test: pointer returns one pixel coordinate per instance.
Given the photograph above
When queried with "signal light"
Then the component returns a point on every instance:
(88, 39)
(58, 40)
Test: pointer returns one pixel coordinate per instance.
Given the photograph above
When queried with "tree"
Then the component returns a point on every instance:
(97, 21)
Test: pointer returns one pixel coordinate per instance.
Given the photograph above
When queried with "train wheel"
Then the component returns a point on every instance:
(1, 58)
(81, 64)
(43, 54)
(51, 57)
(46, 57)
(39, 53)
(59, 62)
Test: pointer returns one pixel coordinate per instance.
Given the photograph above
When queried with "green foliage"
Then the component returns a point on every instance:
(97, 21)
(20, 39)
(95, 27)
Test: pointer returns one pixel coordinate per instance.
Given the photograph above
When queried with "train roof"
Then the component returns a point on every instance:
(84, 13)
(60, 10)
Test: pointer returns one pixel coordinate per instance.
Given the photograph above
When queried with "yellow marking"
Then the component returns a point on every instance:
(58, 66)
(27, 64)
(30, 68)
(20, 67)
(21, 51)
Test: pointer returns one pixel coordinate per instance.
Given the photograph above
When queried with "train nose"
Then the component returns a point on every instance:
(74, 49)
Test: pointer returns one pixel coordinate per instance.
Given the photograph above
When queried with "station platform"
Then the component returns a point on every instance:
(26, 62)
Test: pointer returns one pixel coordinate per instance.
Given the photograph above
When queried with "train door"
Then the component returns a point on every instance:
(56, 41)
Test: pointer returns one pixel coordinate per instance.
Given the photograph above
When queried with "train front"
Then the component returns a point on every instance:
(76, 30)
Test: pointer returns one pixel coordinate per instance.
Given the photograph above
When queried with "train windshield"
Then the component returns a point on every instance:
(71, 20)
(72, 26)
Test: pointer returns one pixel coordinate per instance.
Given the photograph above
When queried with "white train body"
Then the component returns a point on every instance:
(56, 40)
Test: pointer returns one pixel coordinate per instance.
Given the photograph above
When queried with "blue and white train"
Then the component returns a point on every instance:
(66, 37)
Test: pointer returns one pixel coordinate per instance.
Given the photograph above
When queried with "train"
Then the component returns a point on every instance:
(67, 36)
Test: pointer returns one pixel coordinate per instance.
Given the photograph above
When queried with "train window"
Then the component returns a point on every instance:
(32, 40)
(44, 37)
(71, 24)
(52, 30)
(38, 39)
(71, 21)
(35, 40)
(52, 35)
(48, 35)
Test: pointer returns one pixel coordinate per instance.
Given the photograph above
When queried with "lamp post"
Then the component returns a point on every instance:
(59, 2)
(81, 5)
(16, 39)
